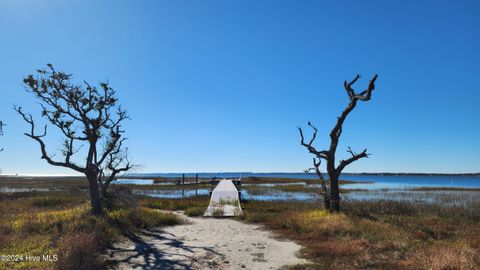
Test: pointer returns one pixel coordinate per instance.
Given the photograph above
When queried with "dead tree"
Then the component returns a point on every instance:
(331, 193)
(85, 116)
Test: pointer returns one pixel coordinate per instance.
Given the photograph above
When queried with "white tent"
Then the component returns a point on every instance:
(224, 201)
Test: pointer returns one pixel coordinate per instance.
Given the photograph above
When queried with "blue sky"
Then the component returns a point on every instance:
(222, 85)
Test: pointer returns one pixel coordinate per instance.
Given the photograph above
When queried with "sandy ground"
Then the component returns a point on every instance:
(206, 243)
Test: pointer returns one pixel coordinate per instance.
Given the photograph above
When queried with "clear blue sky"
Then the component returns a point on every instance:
(222, 85)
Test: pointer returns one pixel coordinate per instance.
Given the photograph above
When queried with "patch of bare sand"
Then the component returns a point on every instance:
(206, 243)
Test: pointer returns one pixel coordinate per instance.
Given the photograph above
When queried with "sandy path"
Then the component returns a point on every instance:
(206, 243)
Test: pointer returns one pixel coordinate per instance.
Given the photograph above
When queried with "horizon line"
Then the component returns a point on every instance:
(230, 172)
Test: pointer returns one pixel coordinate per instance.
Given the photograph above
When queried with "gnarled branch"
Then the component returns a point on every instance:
(38, 137)
(319, 154)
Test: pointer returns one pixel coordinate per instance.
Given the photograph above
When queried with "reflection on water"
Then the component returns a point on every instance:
(279, 196)
(133, 181)
(141, 182)
(173, 193)
(375, 193)
(423, 180)
(245, 195)
(275, 184)
(381, 186)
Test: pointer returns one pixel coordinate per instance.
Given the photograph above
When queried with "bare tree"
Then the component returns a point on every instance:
(85, 116)
(331, 193)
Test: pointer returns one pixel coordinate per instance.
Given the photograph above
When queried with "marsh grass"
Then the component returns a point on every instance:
(175, 204)
(53, 201)
(375, 235)
(195, 211)
(54, 183)
(381, 234)
(445, 189)
(218, 211)
(143, 218)
(54, 222)
(228, 202)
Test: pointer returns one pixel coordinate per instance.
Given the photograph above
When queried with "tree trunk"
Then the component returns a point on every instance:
(334, 193)
(326, 200)
(95, 199)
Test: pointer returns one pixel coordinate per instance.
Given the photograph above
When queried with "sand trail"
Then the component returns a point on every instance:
(206, 243)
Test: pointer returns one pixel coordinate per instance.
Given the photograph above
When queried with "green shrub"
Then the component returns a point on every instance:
(143, 218)
(195, 211)
(218, 212)
(119, 196)
(175, 204)
(157, 204)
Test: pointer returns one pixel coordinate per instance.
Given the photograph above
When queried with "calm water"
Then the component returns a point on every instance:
(378, 187)
(268, 196)
(380, 181)
(134, 181)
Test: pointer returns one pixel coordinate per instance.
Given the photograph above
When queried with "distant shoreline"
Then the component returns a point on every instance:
(259, 174)
(417, 174)
(290, 173)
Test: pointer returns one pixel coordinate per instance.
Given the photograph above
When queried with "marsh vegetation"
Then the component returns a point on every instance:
(59, 223)
(368, 234)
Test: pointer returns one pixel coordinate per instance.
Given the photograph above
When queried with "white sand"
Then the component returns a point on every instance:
(206, 243)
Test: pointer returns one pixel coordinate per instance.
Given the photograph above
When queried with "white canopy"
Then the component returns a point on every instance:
(224, 200)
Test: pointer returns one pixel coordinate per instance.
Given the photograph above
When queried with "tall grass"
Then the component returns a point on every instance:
(375, 235)
(60, 224)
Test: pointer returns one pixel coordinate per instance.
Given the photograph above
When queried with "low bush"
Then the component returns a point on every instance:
(175, 204)
(195, 211)
(119, 196)
(79, 251)
(143, 218)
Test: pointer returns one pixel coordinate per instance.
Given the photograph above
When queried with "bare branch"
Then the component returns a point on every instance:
(354, 157)
(311, 149)
(348, 87)
(38, 137)
(367, 94)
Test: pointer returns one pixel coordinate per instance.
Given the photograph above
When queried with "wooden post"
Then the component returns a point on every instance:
(183, 179)
(196, 178)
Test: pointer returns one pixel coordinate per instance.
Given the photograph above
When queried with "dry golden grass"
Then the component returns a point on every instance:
(442, 256)
(31, 224)
(375, 235)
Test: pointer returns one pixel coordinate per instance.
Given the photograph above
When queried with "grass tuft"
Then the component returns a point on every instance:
(195, 211)
(143, 218)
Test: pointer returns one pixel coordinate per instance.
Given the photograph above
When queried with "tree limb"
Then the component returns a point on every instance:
(29, 119)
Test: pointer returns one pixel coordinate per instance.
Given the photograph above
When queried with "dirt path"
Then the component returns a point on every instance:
(206, 243)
